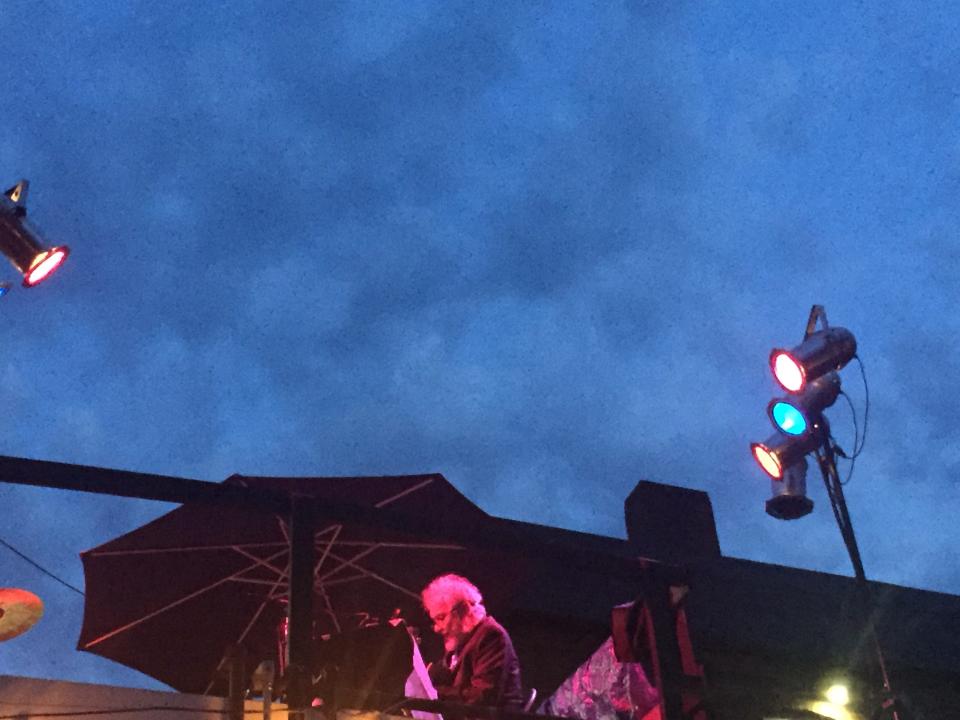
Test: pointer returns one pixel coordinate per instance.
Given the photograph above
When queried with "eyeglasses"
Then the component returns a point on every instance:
(439, 618)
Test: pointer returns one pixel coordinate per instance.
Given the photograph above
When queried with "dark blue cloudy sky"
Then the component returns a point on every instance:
(541, 248)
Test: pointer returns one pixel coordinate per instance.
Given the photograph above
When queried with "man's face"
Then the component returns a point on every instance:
(447, 622)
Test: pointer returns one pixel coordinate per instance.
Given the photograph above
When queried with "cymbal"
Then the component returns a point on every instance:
(19, 611)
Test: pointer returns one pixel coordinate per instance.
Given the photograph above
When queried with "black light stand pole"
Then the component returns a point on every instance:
(826, 458)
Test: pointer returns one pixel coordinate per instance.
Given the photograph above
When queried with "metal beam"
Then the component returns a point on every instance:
(123, 483)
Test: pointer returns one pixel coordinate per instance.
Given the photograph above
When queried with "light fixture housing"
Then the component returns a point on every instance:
(820, 353)
(21, 243)
(790, 500)
(780, 451)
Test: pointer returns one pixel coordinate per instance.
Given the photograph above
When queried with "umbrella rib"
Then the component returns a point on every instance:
(404, 493)
(341, 581)
(325, 580)
(343, 562)
(247, 629)
(284, 529)
(327, 548)
(333, 615)
(375, 576)
(256, 615)
(189, 548)
(387, 544)
(255, 581)
(418, 546)
(281, 573)
(175, 603)
(374, 546)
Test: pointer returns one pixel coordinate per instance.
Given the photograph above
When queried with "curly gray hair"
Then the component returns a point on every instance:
(453, 590)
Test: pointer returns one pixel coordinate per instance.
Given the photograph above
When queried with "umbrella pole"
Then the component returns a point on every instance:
(299, 609)
(237, 673)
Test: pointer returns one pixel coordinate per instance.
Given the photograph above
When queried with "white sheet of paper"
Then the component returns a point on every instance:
(419, 685)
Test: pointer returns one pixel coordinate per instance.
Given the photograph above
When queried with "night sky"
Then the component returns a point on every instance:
(541, 248)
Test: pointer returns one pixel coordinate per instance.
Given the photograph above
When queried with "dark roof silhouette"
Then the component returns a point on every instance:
(554, 589)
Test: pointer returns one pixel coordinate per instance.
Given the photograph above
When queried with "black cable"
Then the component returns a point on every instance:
(856, 440)
(830, 476)
(39, 567)
(853, 461)
(856, 427)
(866, 408)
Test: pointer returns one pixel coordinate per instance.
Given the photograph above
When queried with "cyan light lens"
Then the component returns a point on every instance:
(788, 418)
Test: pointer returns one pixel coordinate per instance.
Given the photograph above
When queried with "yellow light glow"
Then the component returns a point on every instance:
(768, 461)
(835, 712)
(838, 694)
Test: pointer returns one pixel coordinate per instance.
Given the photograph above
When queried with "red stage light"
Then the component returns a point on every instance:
(788, 372)
(21, 243)
(821, 352)
(44, 265)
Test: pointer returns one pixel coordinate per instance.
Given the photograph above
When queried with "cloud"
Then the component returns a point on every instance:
(543, 250)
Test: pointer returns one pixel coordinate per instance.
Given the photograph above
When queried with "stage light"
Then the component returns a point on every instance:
(21, 243)
(821, 352)
(787, 417)
(780, 451)
(837, 694)
(799, 415)
(835, 701)
(810, 374)
(787, 371)
(768, 460)
(790, 500)
(44, 264)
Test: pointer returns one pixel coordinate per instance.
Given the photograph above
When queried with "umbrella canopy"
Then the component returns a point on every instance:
(170, 597)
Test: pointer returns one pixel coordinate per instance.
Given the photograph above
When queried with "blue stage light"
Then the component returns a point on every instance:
(788, 418)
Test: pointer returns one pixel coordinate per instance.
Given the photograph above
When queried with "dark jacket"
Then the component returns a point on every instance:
(485, 671)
